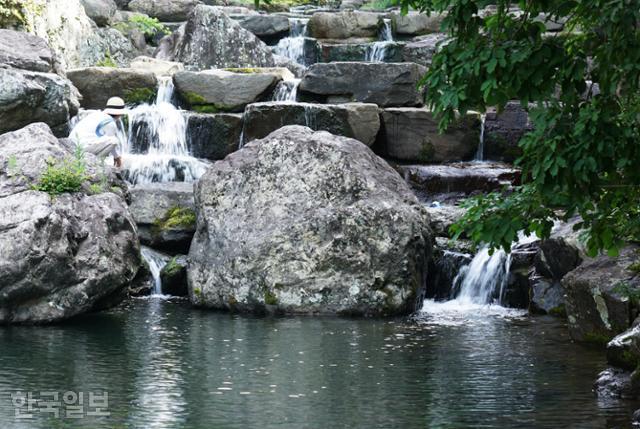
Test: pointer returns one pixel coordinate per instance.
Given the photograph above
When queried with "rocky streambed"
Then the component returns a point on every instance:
(278, 163)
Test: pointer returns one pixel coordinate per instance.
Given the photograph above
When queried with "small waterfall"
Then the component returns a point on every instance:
(156, 262)
(287, 90)
(480, 152)
(293, 47)
(157, 150)
(377, 52)
(484, 279)
(480, 286)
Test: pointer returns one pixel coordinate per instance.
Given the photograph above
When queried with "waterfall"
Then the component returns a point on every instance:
(156, 150)
(377, 51)
(484, 279)
(293, 47)
(480, 152)
(287, 90)
(480, 286)
(156, 262)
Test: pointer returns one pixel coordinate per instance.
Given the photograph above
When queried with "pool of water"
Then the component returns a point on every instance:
(166, 365)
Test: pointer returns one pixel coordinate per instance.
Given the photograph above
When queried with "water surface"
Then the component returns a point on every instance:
(166, 365)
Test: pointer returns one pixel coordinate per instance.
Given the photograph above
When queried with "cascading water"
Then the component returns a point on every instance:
(377, 52)
(156, 262)
(480, 286)
(287, 90)
(293, 47)
(483, 280)
(157, 150)
(480, 152)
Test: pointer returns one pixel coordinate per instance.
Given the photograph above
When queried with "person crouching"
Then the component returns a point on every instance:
(98, 132)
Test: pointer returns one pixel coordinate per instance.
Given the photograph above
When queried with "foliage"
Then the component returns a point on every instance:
(107, 61)
(581, 159)
(148, 26)
(66, 176)
(380, 5)
(16, 13)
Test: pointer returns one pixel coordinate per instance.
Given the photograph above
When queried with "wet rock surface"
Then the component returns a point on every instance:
(307, 222)
(343, 25)
(412, 134)
(355, 120)
(174, 276)
(164, 213)
(213, 136)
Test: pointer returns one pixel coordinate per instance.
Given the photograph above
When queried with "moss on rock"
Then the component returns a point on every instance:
(176, 217)
(139, 95)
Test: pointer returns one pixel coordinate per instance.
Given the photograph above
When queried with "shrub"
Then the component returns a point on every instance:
(62, 177)
(150, 27)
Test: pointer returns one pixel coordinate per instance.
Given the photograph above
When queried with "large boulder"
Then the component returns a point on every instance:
(98, 84)
(60, 256)
(387, 85)
(331, 25)
(164, 213)
(356, 120)
(213, 136)
(27, 97)
(165, 10)
(307, 222)
(598, 304)
(412, 134)
(214, 91)
(210, 39)
(101, 11)
(415, 23)
(26, 51)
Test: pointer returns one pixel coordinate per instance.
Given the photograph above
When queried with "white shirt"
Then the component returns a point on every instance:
(94, 128)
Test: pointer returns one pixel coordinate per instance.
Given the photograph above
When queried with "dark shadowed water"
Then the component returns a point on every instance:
(165, 365)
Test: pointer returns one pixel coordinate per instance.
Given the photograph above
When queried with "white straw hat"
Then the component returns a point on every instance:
(115, 106)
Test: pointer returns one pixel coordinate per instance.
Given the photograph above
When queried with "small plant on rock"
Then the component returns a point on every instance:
(62, 177)
(150, 27)
(107, 61)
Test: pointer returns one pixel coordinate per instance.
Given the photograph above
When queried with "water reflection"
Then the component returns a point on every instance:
(166, 365)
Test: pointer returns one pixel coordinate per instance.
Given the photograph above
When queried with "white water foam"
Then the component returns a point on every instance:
(293, 46)
(164, 128)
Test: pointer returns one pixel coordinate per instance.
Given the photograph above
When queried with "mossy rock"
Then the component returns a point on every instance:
(139, 96)
(270, 298)
(176, 217)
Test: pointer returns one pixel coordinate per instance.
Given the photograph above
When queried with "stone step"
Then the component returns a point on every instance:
(385, 84)
(460, 179)
(411, 134)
